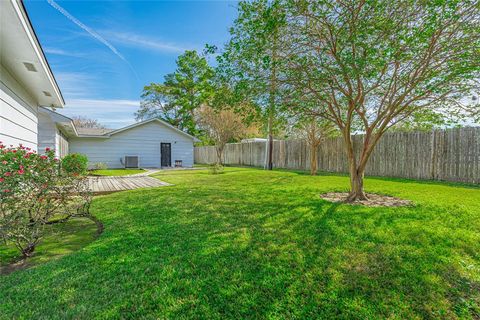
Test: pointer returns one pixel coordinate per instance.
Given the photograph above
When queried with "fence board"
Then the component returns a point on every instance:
(451, 155)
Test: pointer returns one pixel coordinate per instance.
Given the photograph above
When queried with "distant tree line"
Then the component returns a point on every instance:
(86, 122)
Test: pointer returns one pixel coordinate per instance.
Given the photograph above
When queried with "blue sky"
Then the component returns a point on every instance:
(103, 52)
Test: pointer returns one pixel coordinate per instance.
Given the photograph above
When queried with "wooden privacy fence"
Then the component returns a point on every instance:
(451, 155)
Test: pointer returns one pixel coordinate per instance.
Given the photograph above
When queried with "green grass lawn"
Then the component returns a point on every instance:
(255, 244)
(115, 172)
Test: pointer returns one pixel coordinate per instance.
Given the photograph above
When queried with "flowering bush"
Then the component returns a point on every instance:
(33, 189)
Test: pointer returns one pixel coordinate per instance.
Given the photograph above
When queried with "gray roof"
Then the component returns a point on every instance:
(93, 131)
(106, 133)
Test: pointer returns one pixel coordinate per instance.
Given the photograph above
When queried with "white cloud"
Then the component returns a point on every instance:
(104, 103)
(144, 42)
(77, 89)
(74, 84)
(61, 52)
(114, 113)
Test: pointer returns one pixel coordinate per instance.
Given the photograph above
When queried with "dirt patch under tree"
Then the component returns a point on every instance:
(374, 200)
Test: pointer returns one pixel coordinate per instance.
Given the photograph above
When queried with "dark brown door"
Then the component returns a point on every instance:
(166, 154)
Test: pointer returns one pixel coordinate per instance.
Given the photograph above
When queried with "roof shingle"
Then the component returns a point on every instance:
(93, 131)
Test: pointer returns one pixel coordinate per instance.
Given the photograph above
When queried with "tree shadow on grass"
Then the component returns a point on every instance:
(250, 253)
(386, 178)
(59, 240)
(409, 276)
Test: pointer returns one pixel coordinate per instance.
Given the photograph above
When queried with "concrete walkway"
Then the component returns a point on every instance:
(148, 172)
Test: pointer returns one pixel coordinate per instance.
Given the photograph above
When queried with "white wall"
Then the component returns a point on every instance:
(62, 145)
(18, 113)
(49, 136)
(143, 141)
(47, 131)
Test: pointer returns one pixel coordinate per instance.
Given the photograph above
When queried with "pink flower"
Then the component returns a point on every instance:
(47, 149)
(1, 179)
(43, 157)
(21, 171)
(6, 190)
(7, 174)
(5, 162)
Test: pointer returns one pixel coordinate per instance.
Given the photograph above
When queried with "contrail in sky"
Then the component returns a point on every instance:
(90, 31)
(84, 27)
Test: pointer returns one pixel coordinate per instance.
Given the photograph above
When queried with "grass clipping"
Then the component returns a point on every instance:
(374, 200)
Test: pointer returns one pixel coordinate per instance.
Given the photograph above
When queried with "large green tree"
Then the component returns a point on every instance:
(369, 65)
(251, 59)
(181, 93)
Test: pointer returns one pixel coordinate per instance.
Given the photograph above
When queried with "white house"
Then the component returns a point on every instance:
(150, 144)
(29, 96)
(26, 81)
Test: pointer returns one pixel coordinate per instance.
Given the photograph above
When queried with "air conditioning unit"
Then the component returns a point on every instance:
(131, 162)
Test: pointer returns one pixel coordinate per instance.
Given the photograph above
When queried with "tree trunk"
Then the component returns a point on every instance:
(357, 171)
(270, 151)
(356, 185)
(219, 155)
(28, 251)
(313, 160)
(273, 94)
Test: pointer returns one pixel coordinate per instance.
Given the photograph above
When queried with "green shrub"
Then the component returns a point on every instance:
(75, 163)
(216, 169)
(100, 166)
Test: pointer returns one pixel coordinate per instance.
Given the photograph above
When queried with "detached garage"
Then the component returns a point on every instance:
(148, 144)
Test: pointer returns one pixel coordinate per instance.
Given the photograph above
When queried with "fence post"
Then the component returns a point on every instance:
(433, 158)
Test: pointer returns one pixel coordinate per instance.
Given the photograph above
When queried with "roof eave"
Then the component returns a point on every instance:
(22, 13)
(151, 120)
(60, 120)
(91, 136)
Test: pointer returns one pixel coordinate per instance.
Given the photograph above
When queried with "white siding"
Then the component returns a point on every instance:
(49, 136)
(143, 141)
(62, 144)
(47, 131)
(18, 113)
